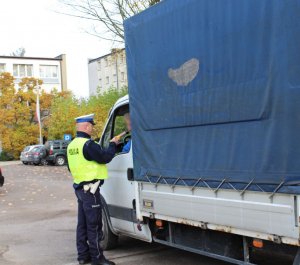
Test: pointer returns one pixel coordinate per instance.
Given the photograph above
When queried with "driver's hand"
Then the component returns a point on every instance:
(115, 140)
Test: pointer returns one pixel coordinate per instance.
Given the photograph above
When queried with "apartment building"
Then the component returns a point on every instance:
(52, 71)
(108, 71)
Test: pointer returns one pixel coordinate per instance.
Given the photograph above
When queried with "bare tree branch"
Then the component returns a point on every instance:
(20, 52)
(116, 28)
(110, 14)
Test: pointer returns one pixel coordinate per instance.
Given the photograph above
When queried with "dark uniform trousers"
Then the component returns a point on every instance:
(89, 227)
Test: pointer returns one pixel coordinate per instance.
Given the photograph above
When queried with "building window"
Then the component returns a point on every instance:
(106, 62)
(122, 76)
(99, 65)
(107, 80)
(22, 70)
(100, 82)
(2, 67)
(48, 71)
(115, 78)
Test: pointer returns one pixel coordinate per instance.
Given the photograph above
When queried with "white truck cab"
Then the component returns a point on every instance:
(119, 191)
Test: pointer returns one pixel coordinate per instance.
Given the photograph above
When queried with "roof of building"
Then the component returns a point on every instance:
(58, 58)
(103, 56)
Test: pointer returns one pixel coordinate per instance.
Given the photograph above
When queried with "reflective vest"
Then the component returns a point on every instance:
(81, 168)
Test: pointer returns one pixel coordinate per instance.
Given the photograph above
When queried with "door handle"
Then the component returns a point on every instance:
(130, 175)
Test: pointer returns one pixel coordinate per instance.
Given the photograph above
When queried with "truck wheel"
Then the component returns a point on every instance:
(60, 161)
(109, 240)
(25, 163)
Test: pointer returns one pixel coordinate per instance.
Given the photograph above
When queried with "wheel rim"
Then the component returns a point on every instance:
(60, 161)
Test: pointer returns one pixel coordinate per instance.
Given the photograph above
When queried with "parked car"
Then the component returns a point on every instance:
(1, 178)
(38, 155)
(57, 152)
(24, 157)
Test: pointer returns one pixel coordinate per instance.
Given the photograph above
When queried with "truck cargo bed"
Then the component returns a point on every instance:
(254, 214)
(214, 91)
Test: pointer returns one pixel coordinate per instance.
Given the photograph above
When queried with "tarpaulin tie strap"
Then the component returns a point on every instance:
(156, 180)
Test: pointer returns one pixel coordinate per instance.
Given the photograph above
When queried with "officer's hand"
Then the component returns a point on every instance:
(115, 140)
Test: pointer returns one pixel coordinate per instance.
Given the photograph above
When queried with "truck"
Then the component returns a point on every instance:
(214, 101)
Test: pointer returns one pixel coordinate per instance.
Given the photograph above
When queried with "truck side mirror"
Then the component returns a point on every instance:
(130, 175)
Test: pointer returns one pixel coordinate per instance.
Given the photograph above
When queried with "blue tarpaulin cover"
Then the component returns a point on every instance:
(214, 90)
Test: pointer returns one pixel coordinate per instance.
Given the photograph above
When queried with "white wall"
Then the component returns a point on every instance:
(103, 73)
(48, 85)
(93, 77)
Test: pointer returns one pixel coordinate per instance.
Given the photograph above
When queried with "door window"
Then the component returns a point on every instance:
(65, 145)
(107, 136)
(117, 126)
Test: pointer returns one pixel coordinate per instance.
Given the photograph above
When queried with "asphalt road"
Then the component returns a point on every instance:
(38, 220)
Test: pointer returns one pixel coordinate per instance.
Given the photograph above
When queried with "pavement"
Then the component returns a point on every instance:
(10, 163)
(38, 220)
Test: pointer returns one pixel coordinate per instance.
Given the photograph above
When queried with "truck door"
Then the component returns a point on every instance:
(118, 191)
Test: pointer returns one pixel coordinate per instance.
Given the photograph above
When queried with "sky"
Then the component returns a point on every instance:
(37, 26)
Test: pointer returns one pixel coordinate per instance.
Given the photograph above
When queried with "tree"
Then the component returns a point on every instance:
(63, 112)
(7, 91)
(20, 52)
(18, 127)
(65, 109)
(101, 104)
(110, 13)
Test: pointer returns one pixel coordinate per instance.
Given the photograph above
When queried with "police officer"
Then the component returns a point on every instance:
(86, 161)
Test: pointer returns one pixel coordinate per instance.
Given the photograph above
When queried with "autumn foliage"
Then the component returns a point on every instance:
(65, 109)
(18, 126)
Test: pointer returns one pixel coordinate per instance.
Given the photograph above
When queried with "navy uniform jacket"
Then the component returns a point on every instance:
(93, 152)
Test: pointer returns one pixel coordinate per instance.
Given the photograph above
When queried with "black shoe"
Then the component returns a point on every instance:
(84, 261)
(103, 262)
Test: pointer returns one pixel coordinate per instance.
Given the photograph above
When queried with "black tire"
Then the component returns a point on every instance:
(60, 161)
(1, 180)
(110, 240)
(44, 162)
(25, 163)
